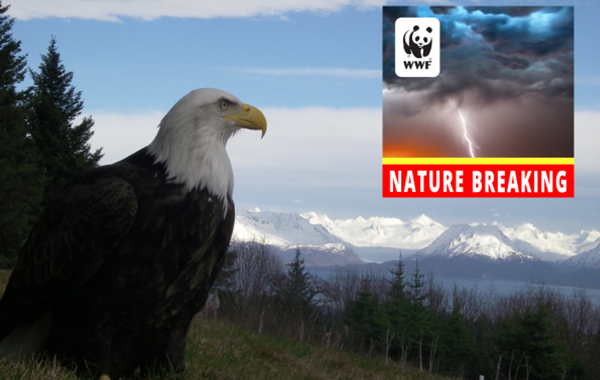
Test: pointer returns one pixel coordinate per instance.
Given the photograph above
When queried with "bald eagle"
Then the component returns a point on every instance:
(119, 263)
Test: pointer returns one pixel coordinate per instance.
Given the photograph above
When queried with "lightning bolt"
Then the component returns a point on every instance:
(466, 136)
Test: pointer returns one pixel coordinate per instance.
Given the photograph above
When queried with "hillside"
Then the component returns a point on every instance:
(220, 350)
(231, 352)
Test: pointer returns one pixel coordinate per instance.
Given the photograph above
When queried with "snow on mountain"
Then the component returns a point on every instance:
(587, 240)
(381, 232)
(476, 241)
(283, 230)
(587, 259)
(551, 246)
(286, 232)
(379, 239)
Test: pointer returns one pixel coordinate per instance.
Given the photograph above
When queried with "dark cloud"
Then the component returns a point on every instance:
(544, 34)
(514, 63)
(511, 67)
(493, 51)
(509, 11)
(441, 10)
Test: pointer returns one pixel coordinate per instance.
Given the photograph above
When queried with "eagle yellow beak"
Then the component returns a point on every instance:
(249, 117)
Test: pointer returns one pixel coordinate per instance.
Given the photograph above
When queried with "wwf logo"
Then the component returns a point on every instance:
(417, 47)
(418, 41)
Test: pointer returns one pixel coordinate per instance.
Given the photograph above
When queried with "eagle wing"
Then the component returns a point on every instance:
(67, 245)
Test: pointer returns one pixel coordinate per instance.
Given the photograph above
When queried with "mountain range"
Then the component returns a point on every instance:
(466, 250)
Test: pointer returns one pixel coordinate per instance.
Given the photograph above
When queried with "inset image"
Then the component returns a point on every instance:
(504, 88)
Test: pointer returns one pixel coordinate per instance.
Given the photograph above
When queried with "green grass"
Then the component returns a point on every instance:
(219, 350)
(34, 370)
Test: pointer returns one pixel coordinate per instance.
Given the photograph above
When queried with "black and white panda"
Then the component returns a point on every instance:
(418, 42)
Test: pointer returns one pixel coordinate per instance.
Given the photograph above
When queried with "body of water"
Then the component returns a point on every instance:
(506, 287)
(501, 287)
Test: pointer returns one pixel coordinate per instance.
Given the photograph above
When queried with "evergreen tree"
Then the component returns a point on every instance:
(295, 297)
(458, 345)
(366, 317)
(417, 294)
(397, 282)
(529, 346)
(21, 181)
(398, 310)
(422, 325)
(53, 106)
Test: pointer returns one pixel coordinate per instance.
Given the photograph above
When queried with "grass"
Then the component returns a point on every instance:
(217, 350)
(34, 370)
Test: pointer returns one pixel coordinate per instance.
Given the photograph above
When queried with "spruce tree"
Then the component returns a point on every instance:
(397, 282)
(295, 295)
(21, 181)
(53, 107)
(530, 346)
(417, 293)
(398, 310)
(458, 345)
(421, 322)
(366, 317)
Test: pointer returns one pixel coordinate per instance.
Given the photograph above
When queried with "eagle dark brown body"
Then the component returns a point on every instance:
(123, 258)
(115, 288)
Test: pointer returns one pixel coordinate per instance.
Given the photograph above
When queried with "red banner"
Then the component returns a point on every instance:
(480, 181)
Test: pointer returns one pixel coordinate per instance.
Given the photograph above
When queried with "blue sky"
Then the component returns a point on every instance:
(314, 68)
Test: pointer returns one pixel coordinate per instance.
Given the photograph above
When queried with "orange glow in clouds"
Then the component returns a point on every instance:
(408, 149)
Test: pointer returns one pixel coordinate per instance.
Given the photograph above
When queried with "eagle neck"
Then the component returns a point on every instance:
(200, 160)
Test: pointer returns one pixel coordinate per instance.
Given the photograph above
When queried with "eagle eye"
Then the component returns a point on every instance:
(223, 104)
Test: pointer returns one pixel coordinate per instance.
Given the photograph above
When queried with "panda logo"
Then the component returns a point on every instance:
(417, 47)
(418, 42)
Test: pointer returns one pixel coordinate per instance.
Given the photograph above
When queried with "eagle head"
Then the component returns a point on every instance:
(192, 137)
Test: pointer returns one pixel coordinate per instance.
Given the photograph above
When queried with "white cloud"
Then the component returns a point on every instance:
(120, 135)
(333, 146)
(587, 135)
(113, 10)
(315, 71)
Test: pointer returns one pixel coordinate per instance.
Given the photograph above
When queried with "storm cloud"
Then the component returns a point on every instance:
(510, 67)
(520, 45)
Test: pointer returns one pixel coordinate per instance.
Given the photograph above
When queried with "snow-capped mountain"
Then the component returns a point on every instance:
(475, 250)
(378, 239)
(551, 246)
(374, 239)
(482, 251)
(475, 241)
(286, 232)
(281, 230)
(381, 232)
(587, 259)
(583, 269)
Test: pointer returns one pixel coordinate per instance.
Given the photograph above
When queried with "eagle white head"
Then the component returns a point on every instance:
(193, 135)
